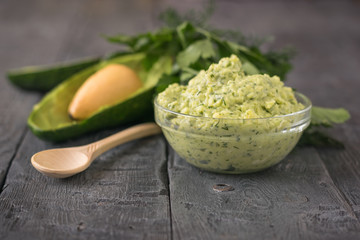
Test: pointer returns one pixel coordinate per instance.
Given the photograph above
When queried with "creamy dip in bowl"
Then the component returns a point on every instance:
(226, 122)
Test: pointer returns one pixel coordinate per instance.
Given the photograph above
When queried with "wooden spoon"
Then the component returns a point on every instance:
(65, 162)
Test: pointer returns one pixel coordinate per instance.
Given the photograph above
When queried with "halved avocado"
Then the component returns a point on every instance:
(49, 119)
(44, 78)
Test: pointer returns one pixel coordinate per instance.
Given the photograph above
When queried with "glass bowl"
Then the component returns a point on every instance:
(233, 146)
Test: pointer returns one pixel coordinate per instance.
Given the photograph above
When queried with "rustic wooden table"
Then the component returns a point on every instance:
(143, 190)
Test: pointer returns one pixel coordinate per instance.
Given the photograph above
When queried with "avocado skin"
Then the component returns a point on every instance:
(45, 78)
(137, 108)
(131, 109)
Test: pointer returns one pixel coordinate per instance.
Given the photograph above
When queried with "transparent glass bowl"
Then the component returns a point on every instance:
(233, 146)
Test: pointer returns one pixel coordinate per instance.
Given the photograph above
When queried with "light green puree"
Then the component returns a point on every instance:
(230, 133)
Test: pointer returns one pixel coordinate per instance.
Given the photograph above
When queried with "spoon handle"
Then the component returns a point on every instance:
(129, 134)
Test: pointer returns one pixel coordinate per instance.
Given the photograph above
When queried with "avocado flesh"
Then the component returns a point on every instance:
(49, 119)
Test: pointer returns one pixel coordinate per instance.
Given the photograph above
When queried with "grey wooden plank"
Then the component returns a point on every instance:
(343, 165)
(296, 199)
(124, 193)
(103, 18)
(26, 32)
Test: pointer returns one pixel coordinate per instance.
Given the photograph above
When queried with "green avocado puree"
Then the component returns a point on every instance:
(237, 127)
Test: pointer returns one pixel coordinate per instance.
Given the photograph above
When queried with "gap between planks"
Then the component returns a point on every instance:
(342, 197)
(22, 137)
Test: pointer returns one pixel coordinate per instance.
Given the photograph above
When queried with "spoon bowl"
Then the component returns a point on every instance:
(65, 162)
(60, 163)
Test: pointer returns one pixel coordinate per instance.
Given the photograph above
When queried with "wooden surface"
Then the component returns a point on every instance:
(143, 190)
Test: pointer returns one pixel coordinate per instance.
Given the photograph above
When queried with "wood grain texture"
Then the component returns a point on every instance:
(297, 199)
(130, 192)
(344, 165)
(97, 18)
(22, 40)
(123, 195)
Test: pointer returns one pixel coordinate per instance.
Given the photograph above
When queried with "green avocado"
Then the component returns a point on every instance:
(44, 78)
(49, 119)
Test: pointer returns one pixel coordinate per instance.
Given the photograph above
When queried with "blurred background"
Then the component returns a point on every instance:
(325, 34)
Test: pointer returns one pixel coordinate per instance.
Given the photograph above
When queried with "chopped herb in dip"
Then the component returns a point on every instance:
(223, 91)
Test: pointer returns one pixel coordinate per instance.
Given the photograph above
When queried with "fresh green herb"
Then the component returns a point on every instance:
(327, 117)
(199, 49)
(194, 45)
(165, 81)
(312, 137)
(323, 117)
